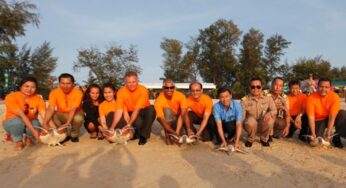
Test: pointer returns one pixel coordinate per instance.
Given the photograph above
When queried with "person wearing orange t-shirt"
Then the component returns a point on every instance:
(323, 111)
(200, 108)
(64, 107)
(134, 109)
(22, 108)
(171, 111)
(297, 103)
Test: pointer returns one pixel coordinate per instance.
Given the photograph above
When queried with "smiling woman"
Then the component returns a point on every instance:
(23, 107)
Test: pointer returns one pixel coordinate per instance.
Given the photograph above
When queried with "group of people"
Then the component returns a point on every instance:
(102, 110)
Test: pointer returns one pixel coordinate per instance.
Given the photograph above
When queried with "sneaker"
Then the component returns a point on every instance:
(265, 144)
(248, 144)
(74, 139)
(337, 142)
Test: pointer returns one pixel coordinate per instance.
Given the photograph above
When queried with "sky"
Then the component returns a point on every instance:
(314, 27)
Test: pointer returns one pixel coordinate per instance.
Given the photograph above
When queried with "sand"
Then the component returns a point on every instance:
(94, 163)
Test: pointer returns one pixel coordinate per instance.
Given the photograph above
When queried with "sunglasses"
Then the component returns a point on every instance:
(256, 87)
(166, 87)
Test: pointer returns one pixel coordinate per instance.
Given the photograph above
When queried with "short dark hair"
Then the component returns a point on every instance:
(222, 90)
(28, 79)
(196, 83)
(277, 78)
(256, 79)
(324, 80)
(293, 82)
(66, 75)
(108, 85)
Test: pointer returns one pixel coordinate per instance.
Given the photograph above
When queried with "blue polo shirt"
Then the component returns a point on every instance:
(234, 113)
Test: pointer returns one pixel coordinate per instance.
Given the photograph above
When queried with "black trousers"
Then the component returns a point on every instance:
(229, 128)
(142, 124)
(303, 131)
(210, 128)
(340, 125)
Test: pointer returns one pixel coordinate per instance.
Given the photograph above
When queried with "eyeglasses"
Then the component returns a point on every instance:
(166, 87)
(256, 87)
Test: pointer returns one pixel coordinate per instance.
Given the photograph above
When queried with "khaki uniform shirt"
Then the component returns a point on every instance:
(258, 107)
(281, 102)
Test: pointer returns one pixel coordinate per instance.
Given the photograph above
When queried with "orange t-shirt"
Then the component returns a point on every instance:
(65, 103)
(16, 101)
(177, 103)
(297, 103)
(203, 104)
(130, 100)
(105, 107)
(322, 107)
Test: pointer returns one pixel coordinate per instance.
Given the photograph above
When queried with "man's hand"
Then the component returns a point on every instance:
(286, 131)
(298, 122)
(224, 144)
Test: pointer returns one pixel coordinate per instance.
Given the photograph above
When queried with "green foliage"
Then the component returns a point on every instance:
(274, 49)
(21, 62)
(176, 67)
(250, 57)
(108, 66)
(216, 60)
(316, 66)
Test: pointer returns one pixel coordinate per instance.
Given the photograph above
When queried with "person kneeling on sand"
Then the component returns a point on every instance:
(323, 111)
(171, 110)
(22, 108)
(228, 117)
(64, 107)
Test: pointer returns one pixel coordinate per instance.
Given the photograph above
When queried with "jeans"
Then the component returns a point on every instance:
(16, 127)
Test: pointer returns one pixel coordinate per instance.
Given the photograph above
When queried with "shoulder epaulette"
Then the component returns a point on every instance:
(244, 98)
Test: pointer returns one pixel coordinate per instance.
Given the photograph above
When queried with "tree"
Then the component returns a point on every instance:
(13, 19)
(316, 66)
(20, 62)
(216, 60)
(176, 67)
(108, 66)
(274, 49)
(42, 65)
(250, 57)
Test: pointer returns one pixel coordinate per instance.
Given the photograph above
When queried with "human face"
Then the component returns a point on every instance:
(94, 93)
(295, 90)
(108, 93)
(323, 88)
(28, 88)
(168, 89)
(277, 87)
(66, 85)
(196, 91)
(255, 88)
(225, 98)
(131, 82)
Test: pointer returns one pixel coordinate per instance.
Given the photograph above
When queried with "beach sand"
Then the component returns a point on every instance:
(94, 163)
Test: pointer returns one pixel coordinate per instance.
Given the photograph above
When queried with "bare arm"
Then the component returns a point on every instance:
(221, 134)
(166, 125)
(116, 119)
(203, 123)
(48, 116)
